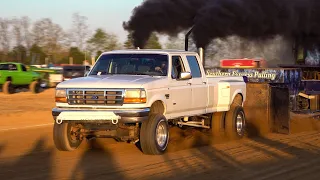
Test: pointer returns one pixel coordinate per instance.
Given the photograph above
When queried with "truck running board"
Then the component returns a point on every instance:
(194, 124)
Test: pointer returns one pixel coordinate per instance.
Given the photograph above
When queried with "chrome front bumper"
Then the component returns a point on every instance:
(125, 115)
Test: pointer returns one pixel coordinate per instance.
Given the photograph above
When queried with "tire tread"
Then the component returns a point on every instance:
(147, 135)
(230, 124)
(60, 137)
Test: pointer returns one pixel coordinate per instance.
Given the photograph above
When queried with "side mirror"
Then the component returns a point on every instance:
(185, 76)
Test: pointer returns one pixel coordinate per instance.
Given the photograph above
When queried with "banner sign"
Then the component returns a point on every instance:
(259, 75)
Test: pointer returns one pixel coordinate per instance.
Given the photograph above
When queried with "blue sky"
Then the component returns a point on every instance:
(106, 14)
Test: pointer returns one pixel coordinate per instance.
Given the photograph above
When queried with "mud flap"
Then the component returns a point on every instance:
(280, 109)
(267, 109)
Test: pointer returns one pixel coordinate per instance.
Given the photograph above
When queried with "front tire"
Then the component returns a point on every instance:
(34, 87)
(154, 135)
(8, 88)
(63, 137)
(235, 123)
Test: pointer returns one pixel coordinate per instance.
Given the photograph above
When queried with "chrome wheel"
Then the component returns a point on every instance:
(240, 123)
(154, 134)
(162, 134)
(74, 133)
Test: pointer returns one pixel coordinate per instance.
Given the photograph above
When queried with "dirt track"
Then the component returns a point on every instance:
(27, 151)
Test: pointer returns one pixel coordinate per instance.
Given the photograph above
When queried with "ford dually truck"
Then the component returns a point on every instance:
(135, 95)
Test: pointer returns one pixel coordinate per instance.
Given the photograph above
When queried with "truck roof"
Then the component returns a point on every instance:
(156, 51)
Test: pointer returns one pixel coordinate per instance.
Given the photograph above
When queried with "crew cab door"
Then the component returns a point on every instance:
(198, 85)
(179, 97)
(12, 73)
(26, 76)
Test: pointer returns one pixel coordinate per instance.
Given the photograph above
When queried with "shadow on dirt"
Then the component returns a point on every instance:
(96, 163)
(39, 163)
(251, 158)
(36, 164)
(2, 146)
(181, 139)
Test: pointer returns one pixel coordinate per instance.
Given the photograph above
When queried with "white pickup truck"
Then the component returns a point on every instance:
(134, 95)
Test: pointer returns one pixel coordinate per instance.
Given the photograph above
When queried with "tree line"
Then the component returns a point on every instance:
(44, 41)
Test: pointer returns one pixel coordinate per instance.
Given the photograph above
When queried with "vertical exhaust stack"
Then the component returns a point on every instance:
(186, 46)
(186, 40)
(201, 54)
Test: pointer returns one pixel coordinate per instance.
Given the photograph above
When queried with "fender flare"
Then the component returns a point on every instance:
(158, 98)
(238, 91)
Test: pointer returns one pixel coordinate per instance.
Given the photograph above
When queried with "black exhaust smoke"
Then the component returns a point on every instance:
(251, 19)
(163, 16)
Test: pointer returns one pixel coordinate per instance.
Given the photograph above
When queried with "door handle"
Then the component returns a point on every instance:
(189, 83)
(204, 82)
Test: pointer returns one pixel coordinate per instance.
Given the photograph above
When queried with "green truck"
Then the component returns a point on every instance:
(14, 75)
(48, 75)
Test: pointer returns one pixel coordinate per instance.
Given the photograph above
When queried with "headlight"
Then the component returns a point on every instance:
(61, 95)
(135, 96)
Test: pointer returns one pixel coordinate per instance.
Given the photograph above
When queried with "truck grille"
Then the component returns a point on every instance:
(95, 97)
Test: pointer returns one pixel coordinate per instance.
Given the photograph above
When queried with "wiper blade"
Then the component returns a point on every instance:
(142, 74)
(137, 73)
(101, 73)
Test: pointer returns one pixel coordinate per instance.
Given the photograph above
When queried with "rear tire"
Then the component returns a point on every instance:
(62, 137)
(235, 123)
(8, 88)
(154, 135)
(34, 87)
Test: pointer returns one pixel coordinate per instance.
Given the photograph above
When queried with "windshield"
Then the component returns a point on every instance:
(135, 64)
(8, 67)
(74, 71)
(4, 67)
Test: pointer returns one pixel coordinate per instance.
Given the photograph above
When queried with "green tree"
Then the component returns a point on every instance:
(112, 42)
(98, 40)
(128, 44)
(153, 42)
(37, 56)
(103, 41)
(18, 54)
(50, 36)
(77, 55)
(98, 54)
